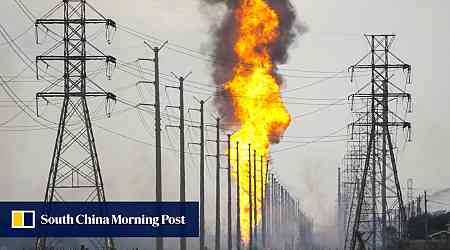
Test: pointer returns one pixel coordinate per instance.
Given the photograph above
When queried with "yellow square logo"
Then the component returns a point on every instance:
(22, 219)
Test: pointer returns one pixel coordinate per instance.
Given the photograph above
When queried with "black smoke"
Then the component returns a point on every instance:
(225, 35)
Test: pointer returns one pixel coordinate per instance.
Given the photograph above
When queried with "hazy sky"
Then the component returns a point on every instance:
(334, 41)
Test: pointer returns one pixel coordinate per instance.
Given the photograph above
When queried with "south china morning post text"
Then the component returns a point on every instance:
(95, 219)
(114, 219)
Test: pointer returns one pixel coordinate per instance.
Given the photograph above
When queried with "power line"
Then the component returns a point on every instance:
(308, 143)
(20, 35)
(325, 105)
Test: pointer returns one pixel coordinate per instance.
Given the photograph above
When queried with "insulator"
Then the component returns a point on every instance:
(111, 29)
(36, 31)
(109, 105)
(37, 68)
(110, 66)
(409, 75)
(409, 106)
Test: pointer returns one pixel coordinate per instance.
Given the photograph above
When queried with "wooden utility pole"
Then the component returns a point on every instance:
(283, 217)
(181, 80)
(272, 214)
(230, 240)
(255, 196)
(218, 141)
(426, 215)
(157, 105)
(218, 184)
(250, 201)
(264, 200)
(275, 212)
(202, 171)
(238, 200)
(202, 175)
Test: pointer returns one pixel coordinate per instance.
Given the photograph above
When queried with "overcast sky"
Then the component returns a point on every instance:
(334, 42)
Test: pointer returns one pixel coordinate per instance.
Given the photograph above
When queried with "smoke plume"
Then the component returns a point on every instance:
(225, 36)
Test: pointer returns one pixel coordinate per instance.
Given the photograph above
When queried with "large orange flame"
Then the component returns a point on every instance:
(256, 99)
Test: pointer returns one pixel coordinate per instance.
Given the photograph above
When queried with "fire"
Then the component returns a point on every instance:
(255, 94)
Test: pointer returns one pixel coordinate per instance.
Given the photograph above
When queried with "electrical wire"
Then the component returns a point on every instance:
(148, 37)
(309, 143)
(145, 37)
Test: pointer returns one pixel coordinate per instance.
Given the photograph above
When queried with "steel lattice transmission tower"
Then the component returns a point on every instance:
(379, 218)
(353, 163)
(75, 171)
